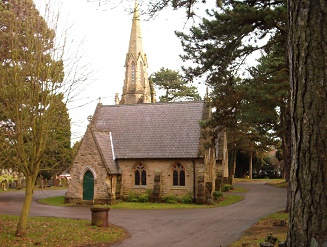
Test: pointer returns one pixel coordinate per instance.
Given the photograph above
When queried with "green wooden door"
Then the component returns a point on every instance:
(88, 186)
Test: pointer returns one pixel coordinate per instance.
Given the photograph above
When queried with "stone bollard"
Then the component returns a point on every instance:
(100, 216)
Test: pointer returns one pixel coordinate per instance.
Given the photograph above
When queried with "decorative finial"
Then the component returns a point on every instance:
(117, 98)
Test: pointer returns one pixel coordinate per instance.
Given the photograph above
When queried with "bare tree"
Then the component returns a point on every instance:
(31, 78)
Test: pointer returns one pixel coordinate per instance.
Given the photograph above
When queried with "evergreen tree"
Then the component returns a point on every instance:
(58, 154)
(219, 45)
(174, 86)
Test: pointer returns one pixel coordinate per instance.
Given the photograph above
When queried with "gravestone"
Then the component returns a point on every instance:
(13, 185)
(50, 182)
(4, 185)
(63, 182)
(56, 182)
(23, 183)
(19, 183)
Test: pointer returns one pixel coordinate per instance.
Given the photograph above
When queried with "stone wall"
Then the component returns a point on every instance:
(88, 158)
(105, 186)
(165, 167)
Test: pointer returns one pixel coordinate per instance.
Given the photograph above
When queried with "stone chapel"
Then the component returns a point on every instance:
(138, 145)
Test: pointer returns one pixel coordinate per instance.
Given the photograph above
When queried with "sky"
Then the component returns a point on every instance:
(101, 34)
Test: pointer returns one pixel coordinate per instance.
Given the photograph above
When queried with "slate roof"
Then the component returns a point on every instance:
(104, 143)
(158, 130)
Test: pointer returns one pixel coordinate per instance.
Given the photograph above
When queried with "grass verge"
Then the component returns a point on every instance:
(53, 232)
(228, 200)
(267, 180)
(275, 224)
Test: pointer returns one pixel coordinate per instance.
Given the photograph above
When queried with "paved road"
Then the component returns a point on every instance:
(212, 227)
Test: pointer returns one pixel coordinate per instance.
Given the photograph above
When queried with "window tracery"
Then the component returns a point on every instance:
(140, 175)
(178, 175)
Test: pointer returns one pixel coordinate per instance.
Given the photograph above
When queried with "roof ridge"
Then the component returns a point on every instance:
(156, 103)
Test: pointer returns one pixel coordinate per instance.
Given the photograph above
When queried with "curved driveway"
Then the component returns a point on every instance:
(213, 227)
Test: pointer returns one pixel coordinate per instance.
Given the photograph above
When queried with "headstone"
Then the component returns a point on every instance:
(39, 182)
(23, 183)
(63, 182)
(56, 182)
(4, 185)
(50, 182)
(12, 185)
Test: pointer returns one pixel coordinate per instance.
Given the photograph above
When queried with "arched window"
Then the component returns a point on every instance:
(140, 72)
(133, 72)
(140, 175)
(178, 175)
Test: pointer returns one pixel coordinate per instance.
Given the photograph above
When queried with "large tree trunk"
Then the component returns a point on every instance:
(250, 164)
(308, 74)
(22, 223)
(286, 145)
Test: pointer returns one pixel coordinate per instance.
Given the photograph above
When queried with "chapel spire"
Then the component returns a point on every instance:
(136, 87)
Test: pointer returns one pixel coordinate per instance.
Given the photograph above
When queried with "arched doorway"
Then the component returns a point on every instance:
(88, 186)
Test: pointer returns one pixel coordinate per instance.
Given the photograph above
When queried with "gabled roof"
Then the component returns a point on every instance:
(104, 144)
(159, 130)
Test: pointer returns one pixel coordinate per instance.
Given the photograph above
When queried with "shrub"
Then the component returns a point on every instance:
(133, 197)
(217, 195)
(149, 192)
(144, 198)
(228, 187)
(187, 199)
(170, 199)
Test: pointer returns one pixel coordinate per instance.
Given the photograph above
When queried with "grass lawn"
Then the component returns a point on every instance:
(50, 231)
(228, 200)
(267, 180)
(259, 231)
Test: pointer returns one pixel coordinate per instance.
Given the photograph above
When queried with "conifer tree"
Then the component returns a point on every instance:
(58, 154)
(220, 45)
(174, 86)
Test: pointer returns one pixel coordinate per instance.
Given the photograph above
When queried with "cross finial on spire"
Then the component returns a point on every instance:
(136, 14)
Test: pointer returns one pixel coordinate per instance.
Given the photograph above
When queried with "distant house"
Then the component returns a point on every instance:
(138, 146)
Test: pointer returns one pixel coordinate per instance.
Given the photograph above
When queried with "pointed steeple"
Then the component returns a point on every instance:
(135, 40)
(136, 87)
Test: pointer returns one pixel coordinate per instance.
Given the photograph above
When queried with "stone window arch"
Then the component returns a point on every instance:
(82, 173)
(178, 175)
(140, 175)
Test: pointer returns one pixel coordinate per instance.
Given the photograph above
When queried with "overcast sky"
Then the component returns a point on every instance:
(105, 32)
